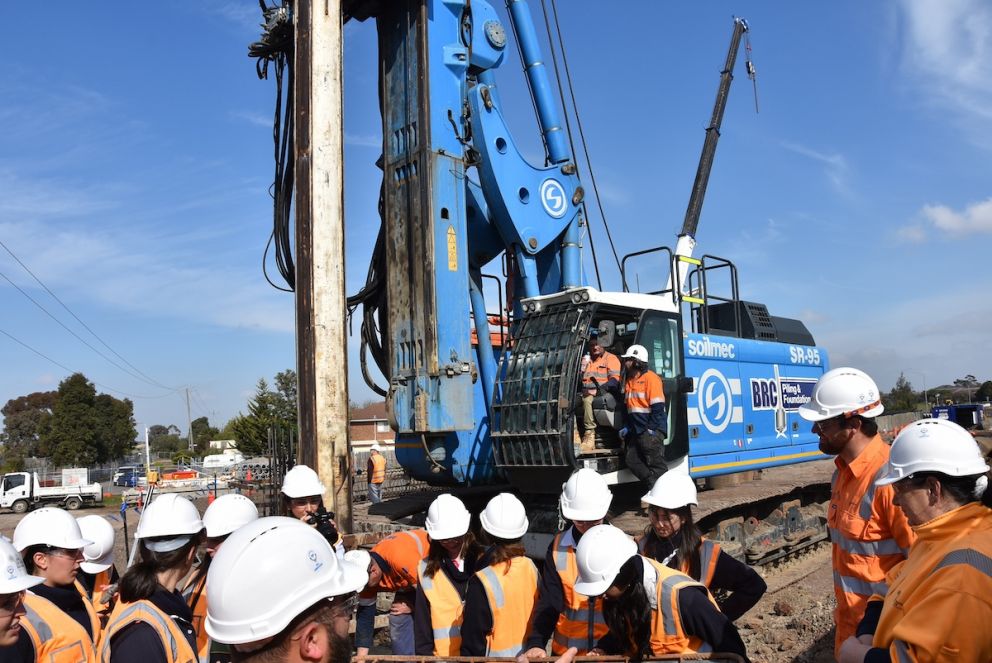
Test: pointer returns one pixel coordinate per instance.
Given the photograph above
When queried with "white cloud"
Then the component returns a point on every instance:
(835, 166)
(973, 219)
(363, 140)
(914, 233)
(257, 119)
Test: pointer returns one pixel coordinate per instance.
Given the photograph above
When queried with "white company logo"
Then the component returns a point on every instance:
(715, 407)
(704, 347)
(553, 198)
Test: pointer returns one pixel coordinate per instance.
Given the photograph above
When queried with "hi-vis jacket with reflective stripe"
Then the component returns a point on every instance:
(601, 371)
(645, 400)
(57, 637)
(709, 553)
(195, 594)
(580, 623)
(939, 604)
(512, 593)
(446, 610)
(869, 534)
(667, 634)
(403, 552)
(174, 643)
(377, 468)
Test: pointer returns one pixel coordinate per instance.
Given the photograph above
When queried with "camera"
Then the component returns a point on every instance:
(323, 520)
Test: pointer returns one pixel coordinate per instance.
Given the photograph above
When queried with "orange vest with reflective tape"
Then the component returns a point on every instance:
(709, 553)
(446, 610)
(602, 369)
(195, 594)
(174, 643)
(581, 623)
(378, 473)
(57, 637)
(667, 634)
(511, 589)
(403, 552)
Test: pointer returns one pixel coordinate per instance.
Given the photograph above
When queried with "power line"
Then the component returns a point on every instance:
(77, 318)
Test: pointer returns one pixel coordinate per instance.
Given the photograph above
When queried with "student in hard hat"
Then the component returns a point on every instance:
(226, 514)
(151, 622)
(59, 614)
(303, 499)
(647, 416)
(14, 580)
(673, 539)
(500, 599)
(278, 593)
(392, 568)
(442, 578)
(869, 534)
(938, 606)
(97, 573)
(566, 618)
(649, 608)
(376, 473)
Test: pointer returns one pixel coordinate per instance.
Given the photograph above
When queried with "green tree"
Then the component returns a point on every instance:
(286, 398)
(984, 392)
(115, 427)
(72, 437)
(26, 419)
(901, 398)
(203, 432)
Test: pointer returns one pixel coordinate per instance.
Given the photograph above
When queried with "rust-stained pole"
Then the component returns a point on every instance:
(321, 340)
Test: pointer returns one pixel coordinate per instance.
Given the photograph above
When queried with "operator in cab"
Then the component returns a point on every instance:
(600, 373)
(647, 417)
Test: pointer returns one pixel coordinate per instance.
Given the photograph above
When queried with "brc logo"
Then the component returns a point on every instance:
(764, 394)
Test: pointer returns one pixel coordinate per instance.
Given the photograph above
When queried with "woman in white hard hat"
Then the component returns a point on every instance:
(500, 598)
(566, 618)
(452, 559)
(97, 573)
(151, 622)
(59, 614)
(649, 608)
(673, 539)
(939, 601)
(226, 514)
(14, 579)
(303, 499)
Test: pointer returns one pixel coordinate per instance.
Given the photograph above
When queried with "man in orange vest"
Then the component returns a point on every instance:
(647, 417)
(376, 473)
(600, 371)
(869, 533)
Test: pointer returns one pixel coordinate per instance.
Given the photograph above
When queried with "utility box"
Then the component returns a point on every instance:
(967, 415)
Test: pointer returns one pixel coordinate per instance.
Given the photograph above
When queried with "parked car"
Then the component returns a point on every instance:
(128, 476)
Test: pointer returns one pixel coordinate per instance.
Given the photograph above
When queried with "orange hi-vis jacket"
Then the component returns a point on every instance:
(57, 637)
(667, 634)
(174, 643)
(603, 369)
(403, 552)
(939, 604)
(709, 553)
(512, 594)
(446, 610)
(377, 473)
(640, 394)
(195, 594)
(869, 533)
(581, 623)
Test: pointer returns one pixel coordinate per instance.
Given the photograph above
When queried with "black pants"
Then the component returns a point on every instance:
(646, 457)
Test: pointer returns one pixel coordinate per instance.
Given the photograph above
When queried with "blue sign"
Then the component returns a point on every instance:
(791, 393)
(553, 198)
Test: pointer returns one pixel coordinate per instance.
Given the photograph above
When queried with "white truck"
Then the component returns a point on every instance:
(21, 491)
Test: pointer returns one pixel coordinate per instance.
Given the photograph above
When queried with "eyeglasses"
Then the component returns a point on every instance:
(909, 483)
(823, 425)
(69, 553)
(348, 604)
(9, 603)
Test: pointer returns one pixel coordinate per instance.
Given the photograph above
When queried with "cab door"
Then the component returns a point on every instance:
(661, 334)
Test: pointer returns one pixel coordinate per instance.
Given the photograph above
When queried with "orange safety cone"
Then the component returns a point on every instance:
(210, 498)
(248, 475)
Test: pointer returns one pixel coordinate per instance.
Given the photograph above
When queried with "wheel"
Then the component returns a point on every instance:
(73, 503)
(20, 506)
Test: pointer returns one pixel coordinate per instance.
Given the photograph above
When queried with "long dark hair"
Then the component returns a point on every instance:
(629, 617)
(690, 538)
(471, 552)
(503, 550)
(141, 580)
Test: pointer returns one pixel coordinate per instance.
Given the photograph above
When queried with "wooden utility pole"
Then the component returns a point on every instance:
(321, 339)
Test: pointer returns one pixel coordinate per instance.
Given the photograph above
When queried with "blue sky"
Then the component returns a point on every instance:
(136, 157)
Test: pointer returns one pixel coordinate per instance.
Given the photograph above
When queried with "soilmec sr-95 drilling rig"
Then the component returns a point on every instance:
(457, 195)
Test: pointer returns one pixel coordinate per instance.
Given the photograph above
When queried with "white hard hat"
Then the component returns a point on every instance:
(301, 481)
(99, 555)
(360, 558)
(672, 490)
(376, 447)
(49, 527)
(585, 496)
(638, 352)
(846, 391)
(228, 513)
(169, 517)
(505, 517)
(601, 552)
(267, 573)
(14, 577)
(447, 518)
(933, 445)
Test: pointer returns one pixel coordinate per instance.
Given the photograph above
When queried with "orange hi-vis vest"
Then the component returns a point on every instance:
(640, 394)
(378, 473)
(195, 594)
(446, 610)
(174, 643)
(511, 589)
(939, 605)
(604, 369)
(581, 623)
(709, 553)
(667, 634)
(869, 535)
(57, 637)
(403, 552)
